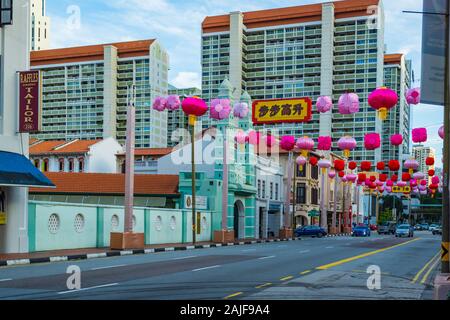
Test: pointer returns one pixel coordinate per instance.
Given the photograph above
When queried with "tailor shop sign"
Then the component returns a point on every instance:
(282, 111)
(30, 101)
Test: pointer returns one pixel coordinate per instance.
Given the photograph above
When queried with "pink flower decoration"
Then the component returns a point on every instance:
(396, 139)
(241, 110)
(241, 137)
(173, 103)
(372, 141)
(324, 104)
(254, 137)
(194, 106)
(348, 103)
(442, 132)
(413, 96)
(220, 109)
(160, 104)
(287, 143)
(324, 143)
(419, 135)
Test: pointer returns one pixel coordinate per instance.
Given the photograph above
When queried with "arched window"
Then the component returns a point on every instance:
(81, 164)
(46, 161)
(37, 163)
(61, 165)
(71, 165)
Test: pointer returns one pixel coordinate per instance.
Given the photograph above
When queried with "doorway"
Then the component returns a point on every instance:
(239, 220)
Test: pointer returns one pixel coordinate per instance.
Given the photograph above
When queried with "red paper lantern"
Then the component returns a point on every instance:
(394, 178)
(352, 165)
(381, 166)
(394, 165)
(362, 177)
(429, 161)
(434, 186)
(373, 185)
(341, 174)
(431, 173)
(373, 178)
(313, 161)
(383, 177)
(339, 165)
(406, 177)
(366, 166)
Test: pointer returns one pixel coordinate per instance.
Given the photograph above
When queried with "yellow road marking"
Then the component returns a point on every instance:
(424, 268)
(305, 272)
(234, 295)
(337, 263)
(286, 278)
(425, 277)
(264, 285)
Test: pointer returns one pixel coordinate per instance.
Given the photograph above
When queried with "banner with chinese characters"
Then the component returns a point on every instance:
(30, 101)
(282, 111)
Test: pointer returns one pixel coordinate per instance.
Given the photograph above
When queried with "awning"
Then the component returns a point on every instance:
(16, 170)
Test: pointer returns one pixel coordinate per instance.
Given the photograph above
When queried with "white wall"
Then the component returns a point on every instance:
(102, 157)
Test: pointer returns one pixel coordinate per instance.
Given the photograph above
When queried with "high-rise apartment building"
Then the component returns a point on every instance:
(177, 123)
(40, 26)
(309, 50)
(397, 76)
(85, 91)
(421, 153)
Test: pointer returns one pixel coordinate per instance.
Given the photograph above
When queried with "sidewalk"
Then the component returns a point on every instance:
(12, 259)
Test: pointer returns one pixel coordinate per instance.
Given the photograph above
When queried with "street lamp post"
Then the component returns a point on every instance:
(129, 159)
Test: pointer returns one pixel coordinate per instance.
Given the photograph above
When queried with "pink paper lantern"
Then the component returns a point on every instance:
(442, 132)
(287, 143)
(173, 102)
(396, 139)
(194, 106)
(160, 104)
(372, 141)
(332, 174)
(382, 100)
(254, 137)
(220, 109)
(419, 176)
(305, 144)
(324, 143)
(348, 103)
(241, 137)
(388, 189)
(413, 96)
(241, 110)
(412, 165)
(390, 183)
(419, 135)
(347, 144)
(401, 184)
(352, 178)
(301, 161)
(324, 164)
(435, 180)
(324, 104)
(423, 183)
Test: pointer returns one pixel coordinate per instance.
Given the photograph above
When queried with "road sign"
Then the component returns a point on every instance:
(444, 252)
(282, 111)
(397, 189)
(313, 213)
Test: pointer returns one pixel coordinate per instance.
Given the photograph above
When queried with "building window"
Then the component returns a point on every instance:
(61, 165)
(301, 174)
(301, 193)
(259, 188)
(263, 190)
(81, 164)
(37, 162)
(271, 191)
(315, 172)
(2, 201)
(314, 196)
(71, 165)
(46, 161)
(277, 186)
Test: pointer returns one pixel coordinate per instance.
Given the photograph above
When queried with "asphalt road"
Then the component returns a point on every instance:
(327, 268)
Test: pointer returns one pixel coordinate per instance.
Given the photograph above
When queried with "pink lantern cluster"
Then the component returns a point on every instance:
(413, 96)
(171, 103)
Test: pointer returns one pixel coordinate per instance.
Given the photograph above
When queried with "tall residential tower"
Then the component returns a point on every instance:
(309, 50)
(40, 26)
(85, 91)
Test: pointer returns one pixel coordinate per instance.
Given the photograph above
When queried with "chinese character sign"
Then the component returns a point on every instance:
(282, 111)
(30, 91)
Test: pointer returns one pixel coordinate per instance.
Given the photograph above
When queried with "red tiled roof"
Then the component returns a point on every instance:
(290, 15)
(393, 58)
(62, 147)
(90, 53)
(108, 184)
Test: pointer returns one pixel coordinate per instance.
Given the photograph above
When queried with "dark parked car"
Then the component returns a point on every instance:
(361, 231)
(312, 231)
(387, 228)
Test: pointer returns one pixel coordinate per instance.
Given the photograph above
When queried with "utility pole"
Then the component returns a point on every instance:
(129, 161)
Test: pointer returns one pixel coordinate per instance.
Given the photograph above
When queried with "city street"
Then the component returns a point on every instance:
(326, 268)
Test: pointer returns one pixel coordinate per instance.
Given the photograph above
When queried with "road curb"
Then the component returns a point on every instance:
(90, 256)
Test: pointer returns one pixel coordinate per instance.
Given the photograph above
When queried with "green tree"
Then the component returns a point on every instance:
(385, 216)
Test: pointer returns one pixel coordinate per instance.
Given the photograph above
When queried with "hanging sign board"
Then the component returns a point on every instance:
(282, 111)
(30, 101)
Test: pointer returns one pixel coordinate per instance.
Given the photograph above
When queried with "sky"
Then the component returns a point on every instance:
(177, 25)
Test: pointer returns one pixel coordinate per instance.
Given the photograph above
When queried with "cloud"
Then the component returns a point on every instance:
(187, 80)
